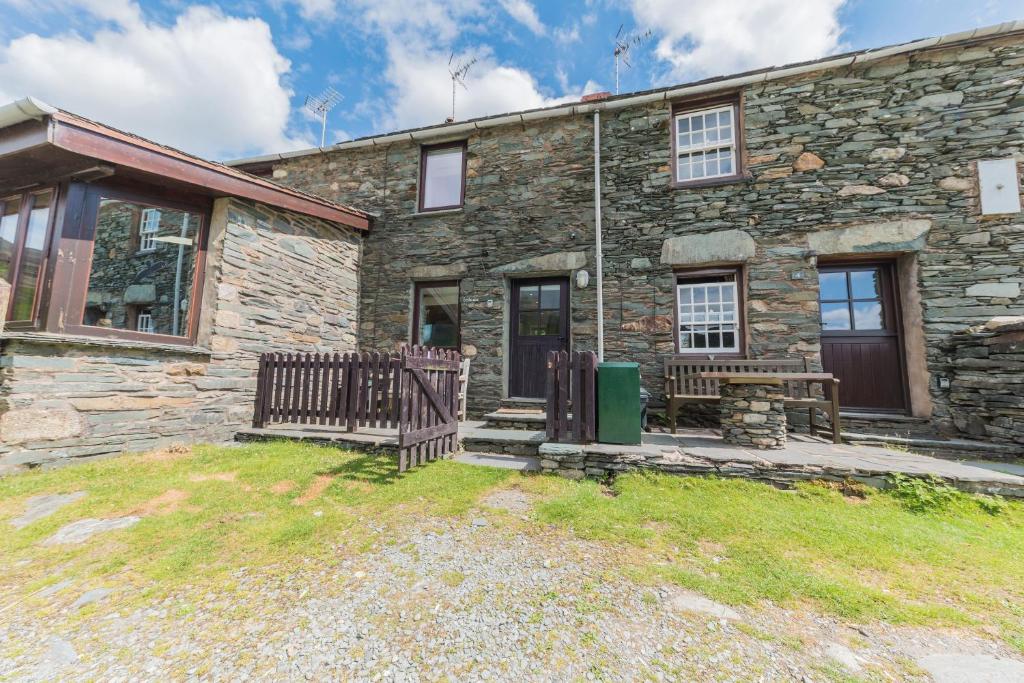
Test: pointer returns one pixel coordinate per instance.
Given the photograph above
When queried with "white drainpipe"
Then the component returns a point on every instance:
(597, 235)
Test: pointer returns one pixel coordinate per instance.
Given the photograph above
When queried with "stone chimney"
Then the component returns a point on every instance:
(596, 96)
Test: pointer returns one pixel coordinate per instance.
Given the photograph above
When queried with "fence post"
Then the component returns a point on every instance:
(261, 398)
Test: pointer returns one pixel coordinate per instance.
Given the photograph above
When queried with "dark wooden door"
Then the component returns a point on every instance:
(860, 336)
(539, 323)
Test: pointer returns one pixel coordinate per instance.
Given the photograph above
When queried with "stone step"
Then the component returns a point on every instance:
(523, 463)
(523, 404)
(501, 441)
(506, 418)
(941, 448)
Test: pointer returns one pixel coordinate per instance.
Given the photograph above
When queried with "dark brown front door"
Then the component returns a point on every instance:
(539, 323)
(860, 337)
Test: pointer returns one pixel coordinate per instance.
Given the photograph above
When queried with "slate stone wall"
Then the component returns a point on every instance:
(873, 159)
(987, 387)
(276, 281)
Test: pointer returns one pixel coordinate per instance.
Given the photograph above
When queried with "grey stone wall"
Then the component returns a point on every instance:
(868, 159)
(987, 381)
(275, 281)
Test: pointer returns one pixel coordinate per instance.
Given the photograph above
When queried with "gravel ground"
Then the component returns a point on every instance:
(488, 597)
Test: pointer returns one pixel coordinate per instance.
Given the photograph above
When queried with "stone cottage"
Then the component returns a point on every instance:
(861, 211)
(143, 284)
(857, 210)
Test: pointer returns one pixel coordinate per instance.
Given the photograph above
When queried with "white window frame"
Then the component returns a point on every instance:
(144, 321)
(149, 226)
(703, 148)
(707, 317)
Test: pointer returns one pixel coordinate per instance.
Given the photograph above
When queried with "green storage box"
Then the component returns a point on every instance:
(618, 403)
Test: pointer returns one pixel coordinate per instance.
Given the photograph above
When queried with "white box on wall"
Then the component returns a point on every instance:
(1000, 187)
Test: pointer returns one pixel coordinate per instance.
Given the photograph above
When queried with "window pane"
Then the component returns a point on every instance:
(529, 324)
(442, 178)
(835, 316)
(682, 125)
(864, 284)
(124, 284)
(867, 315)
(684, 169)
(551, 296)
(439, 316)
(550, 322)
(8, 231)
(31, 258)
(832, 286)
(529, 298)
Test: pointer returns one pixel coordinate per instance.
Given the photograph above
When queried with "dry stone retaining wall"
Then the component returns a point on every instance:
(987, 386)
(277, 281)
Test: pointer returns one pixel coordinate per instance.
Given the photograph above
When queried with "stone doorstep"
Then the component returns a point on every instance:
(1006, 450)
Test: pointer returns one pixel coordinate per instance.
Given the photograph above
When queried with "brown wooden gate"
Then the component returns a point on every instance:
(572, 377)
(416, 393)
(428, 424)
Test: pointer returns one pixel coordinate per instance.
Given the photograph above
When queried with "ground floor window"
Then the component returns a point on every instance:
(130, 266)
(436, 314)
(146, 290)
(709, 315)
(24, 236)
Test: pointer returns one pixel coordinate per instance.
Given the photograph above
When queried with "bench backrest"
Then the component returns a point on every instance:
(678, 367)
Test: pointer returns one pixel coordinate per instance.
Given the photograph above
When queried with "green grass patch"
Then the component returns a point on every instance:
(228, 508)
(953, 559)
(919, 554)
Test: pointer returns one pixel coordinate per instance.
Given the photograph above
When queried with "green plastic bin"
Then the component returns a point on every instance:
(618, 403)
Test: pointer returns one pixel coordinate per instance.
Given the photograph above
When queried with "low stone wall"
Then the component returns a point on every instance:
(987, 381)
(276, 281)
(602, 462)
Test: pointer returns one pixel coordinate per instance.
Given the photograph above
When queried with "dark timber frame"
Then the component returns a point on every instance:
(739, 123)
(424, 151)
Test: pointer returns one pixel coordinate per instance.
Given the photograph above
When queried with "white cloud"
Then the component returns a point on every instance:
(717, 37)
(418, 90)
(210, 84)
(523, 12)
(422, 95)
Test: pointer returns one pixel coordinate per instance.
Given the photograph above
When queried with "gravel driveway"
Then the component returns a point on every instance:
(487, 597)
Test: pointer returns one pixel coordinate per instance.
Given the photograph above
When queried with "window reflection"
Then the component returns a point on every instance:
(143, 268)
(438, 315)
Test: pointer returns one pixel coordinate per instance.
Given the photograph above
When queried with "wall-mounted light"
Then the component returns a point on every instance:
(582, 279)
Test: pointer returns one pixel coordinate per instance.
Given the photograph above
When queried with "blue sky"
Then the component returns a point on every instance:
(228, 79)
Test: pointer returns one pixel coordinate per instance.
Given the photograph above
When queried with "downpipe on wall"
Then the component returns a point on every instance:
(597, 236)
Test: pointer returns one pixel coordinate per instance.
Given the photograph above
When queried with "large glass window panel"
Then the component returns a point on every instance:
(551, 296)
(10, 208)
(867, 315)
(438, 315)
(442, 178)
(124, 282)
(32, 254)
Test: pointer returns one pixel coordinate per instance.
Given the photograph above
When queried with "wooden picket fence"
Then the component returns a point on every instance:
(572, 396)
(416, 392)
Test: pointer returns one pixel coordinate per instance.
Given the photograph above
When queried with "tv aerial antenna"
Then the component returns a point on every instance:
(458, 73)
(623, 44)
(319, 105)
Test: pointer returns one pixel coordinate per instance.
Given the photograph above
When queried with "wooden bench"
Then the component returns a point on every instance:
(682, 389)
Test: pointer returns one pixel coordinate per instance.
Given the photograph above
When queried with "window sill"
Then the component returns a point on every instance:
(438, 212)
(711, 182)
(81, 340)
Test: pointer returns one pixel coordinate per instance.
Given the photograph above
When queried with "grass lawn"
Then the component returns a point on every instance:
(274, 506)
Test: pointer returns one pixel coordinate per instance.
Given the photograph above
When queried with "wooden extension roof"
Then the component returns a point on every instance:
(37, 140)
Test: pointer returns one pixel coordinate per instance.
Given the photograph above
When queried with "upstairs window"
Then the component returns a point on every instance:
(149, 226)
(24, 236)
(706, 144)
(442, 176)
(709, 315)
